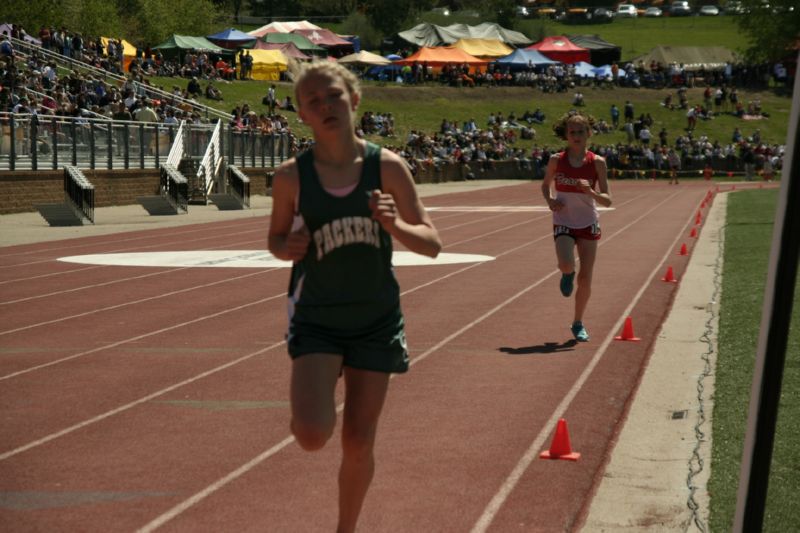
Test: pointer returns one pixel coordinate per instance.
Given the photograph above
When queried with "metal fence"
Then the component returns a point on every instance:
(31, 142)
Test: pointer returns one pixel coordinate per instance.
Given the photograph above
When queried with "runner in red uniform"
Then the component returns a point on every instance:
(580, 180)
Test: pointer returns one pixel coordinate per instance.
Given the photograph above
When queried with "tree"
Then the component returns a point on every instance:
(390, 16)
(773, 29)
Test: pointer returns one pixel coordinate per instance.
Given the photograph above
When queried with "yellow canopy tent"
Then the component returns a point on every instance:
(128, 51)
(484, 47)
(268, 64)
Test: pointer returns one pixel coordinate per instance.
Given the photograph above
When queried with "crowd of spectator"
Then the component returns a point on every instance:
(32, 85)
(463, 143)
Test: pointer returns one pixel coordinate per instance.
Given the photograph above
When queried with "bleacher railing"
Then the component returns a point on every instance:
(175, 188)
(212, 160)
(178, 147)
(239, 185)
(40, 142)
(78, 192)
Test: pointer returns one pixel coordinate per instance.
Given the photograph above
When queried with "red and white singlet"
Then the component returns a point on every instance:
(580, 210)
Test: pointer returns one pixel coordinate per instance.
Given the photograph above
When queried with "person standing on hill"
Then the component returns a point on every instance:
(579, 179)
(336, 209)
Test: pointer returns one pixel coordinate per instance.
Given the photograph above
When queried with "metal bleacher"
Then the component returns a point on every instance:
(199, 162)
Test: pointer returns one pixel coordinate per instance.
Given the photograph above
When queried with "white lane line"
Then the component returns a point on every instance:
(162, 232)
(157, 245)
(232, 476)
(57, 361)
(134, 403)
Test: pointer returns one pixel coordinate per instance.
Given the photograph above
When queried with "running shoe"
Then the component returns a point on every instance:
(579, 332)
(566, 284)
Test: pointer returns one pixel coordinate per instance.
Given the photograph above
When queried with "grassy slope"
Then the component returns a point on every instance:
(638, 36)
(748, 240)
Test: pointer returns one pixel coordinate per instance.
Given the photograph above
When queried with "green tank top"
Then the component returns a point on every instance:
(345, 282)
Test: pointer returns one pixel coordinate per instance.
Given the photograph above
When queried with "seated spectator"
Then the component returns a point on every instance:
(193, 88)
(287, 104)
(212, 93)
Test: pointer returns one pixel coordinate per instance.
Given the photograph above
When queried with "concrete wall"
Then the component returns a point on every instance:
(20, 191)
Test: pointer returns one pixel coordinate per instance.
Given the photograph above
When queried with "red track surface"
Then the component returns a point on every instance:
(155, 398)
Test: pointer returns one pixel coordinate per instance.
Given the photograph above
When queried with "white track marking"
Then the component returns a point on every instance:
(134, 403)
(246, 259)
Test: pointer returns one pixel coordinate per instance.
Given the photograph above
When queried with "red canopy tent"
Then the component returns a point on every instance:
(561, 49)
(439, 56)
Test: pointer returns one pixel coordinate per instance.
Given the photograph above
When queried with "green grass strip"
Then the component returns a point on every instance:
(748, 239)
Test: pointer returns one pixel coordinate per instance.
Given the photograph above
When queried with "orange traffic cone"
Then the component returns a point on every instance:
(698, 219)
(560, 448)
(627, 332)
(693, 233)
(669, 276)
(683, 251)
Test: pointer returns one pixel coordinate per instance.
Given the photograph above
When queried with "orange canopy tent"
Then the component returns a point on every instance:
(440, 56)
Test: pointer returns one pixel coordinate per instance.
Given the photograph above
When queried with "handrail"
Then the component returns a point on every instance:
(178, 146)
(212, 159)
(120, 79)
(240, 185)
(78, 192)
(175, 188)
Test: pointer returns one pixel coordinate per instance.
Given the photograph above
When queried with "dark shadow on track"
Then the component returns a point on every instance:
(548, 347)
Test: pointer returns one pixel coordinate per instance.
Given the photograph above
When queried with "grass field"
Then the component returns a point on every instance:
(638, 36)
(748, 237)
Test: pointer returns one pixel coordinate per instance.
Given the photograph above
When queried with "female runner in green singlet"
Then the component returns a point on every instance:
(335, 210)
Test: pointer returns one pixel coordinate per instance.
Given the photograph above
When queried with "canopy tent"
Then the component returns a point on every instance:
(364, 59)
(430, 35)
(483, 47)
(185, 42)
(585, 70)
(283, 27)
(603, 71)
(561, 49)
(232, 39)
(128, 51)
(302, 44)
(287, 49)
(335, 45)
(441, 56)
(691, 57)
(268, 64)
(600, 51)
(323, 37)
(521, 58)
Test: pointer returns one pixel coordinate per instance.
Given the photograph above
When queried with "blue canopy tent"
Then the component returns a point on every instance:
(603, 71)
(585, 70)
(232, 39)
(521, 58)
